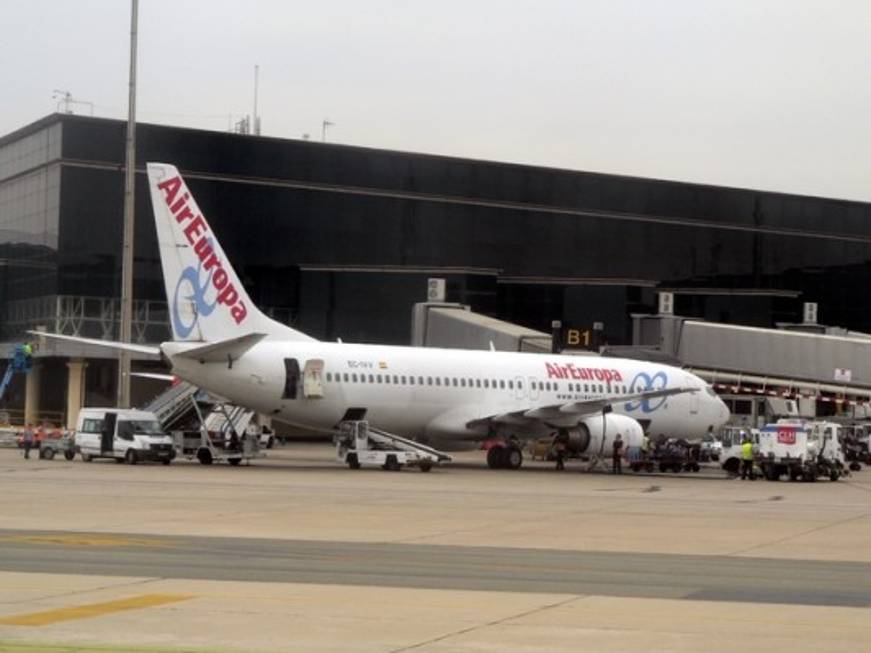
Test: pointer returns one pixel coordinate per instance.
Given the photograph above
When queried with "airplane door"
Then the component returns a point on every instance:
(313, 379)
(291, 378)
(518, 388)
(107, 435)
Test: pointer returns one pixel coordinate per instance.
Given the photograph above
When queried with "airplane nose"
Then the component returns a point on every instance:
(722, 412)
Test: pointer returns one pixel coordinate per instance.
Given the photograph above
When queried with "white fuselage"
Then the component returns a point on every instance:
(434, 394)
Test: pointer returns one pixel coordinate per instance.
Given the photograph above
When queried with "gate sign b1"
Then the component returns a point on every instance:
(582, 337)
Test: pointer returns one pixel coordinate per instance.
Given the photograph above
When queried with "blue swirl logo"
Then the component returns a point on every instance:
(195, 293)
(643, 382)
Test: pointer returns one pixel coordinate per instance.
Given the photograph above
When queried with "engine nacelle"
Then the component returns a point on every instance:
(595, 435)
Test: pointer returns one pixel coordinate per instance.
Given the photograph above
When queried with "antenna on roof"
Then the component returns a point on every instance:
(255, 128)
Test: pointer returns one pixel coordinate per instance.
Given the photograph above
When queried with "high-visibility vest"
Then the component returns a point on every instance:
(747, 451)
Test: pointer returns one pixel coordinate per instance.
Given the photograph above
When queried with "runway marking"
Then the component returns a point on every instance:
(84, 540)
(91, 610)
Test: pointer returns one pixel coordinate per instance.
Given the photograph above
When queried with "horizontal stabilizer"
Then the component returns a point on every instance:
(96, 342)
(154, 375)
(223, 350)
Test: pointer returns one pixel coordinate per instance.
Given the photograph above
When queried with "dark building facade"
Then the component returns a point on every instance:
(340, 240)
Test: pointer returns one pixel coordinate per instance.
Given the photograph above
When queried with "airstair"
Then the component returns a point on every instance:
(173, 406)
(205, 427)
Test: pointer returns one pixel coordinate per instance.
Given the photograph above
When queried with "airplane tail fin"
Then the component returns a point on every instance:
(207, 302)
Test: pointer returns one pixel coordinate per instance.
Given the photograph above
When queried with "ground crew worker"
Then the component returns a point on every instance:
(27, 440)
(617, 453)
(559, 451)
(747, 459)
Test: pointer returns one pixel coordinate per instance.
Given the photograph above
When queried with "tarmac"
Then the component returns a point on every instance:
(297, 553)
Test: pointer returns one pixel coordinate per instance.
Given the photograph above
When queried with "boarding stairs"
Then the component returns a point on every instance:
(173, 406)
(227, 419)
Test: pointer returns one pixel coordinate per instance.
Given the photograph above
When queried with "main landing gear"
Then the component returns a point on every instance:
(504, 456)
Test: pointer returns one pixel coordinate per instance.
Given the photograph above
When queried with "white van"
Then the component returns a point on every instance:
(123, 434)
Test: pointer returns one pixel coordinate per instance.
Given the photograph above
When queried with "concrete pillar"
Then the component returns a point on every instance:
(32, 384)
(75, 390)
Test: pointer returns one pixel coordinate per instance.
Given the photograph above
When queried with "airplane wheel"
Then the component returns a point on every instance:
(48, 454)
(512, 458)
(495, 457)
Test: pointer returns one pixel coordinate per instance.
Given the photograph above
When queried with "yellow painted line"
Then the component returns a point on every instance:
(84, 539)
(92, 610)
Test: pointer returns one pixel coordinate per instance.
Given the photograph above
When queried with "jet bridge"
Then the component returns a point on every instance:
(454, 326)
(804, 363)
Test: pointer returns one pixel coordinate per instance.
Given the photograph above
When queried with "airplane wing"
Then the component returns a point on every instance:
(109, 344)
(570, 413)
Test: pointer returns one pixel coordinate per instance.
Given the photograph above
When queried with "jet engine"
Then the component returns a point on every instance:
(595, 435)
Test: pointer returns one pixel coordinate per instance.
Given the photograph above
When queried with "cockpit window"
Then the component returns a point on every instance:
(710, 391)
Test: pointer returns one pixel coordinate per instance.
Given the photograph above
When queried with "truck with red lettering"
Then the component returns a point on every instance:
(801, 450)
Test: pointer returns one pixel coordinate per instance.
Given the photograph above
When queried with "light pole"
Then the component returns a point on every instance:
(127, 251)
(324, 126)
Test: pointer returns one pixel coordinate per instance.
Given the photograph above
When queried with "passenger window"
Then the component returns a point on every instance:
(396, 379)
(380, 380)
(463, 383)
(438, 381)
(447, 381)
(329, 377)
(403, 380)
(371, 378)
(429, 380)
(455, 382)
(486, 383)
(478, 383)
(410, 380)
(346, 377)
(501, 384)
(354, 377)
(511, 385)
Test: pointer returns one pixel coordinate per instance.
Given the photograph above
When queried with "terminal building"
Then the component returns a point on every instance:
(340, 241)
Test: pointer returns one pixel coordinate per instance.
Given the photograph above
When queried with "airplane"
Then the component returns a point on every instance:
(455, 398)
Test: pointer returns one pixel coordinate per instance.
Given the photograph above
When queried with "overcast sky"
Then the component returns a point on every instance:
(770, 94)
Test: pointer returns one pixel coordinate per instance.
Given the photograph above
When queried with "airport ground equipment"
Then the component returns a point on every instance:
(19, 362)
(221, 435)
(173, 406)
(801, 450)
(855, 441)
(358, 444)
(733, 437)
(64, 445)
